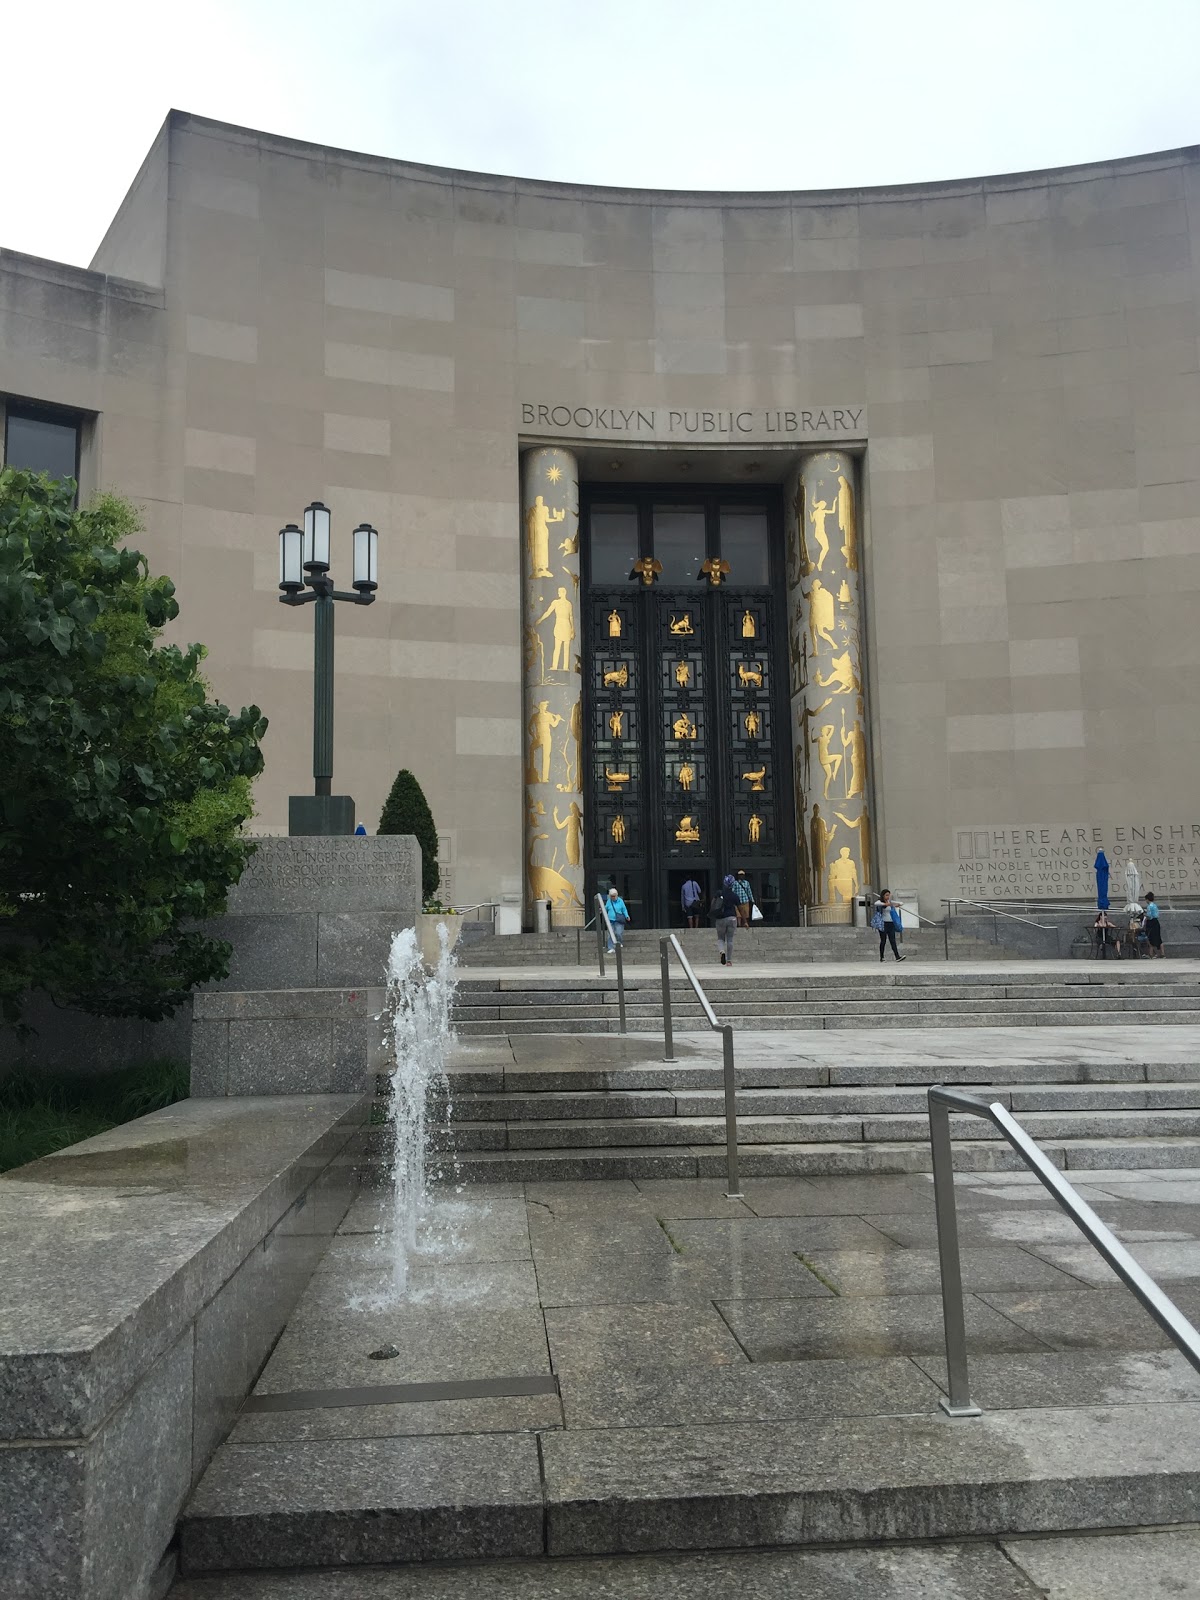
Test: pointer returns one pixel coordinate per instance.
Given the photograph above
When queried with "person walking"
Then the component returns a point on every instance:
(691, 899)
(885, 922)
(724, 914)
(618, 916)
(1153, 927)
(745, 898)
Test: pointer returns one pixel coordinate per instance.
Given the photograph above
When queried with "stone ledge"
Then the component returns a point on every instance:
(148, 1271)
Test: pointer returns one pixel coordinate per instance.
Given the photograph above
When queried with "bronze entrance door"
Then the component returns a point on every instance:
(685, 700)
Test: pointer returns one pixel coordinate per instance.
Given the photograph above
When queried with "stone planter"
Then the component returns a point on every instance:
(428, 923)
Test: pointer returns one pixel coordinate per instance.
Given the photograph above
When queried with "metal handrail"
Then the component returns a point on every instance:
(725, 1029)
(602, 910)
(1046, 927)
(1164, 1311)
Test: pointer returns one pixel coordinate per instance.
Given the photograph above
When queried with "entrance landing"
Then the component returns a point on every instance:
(713, 1375)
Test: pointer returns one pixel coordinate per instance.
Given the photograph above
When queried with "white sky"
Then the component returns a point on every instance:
(705, 94)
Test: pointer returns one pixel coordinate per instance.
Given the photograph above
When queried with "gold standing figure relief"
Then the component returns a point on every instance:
(541, 726)
(570, 785)
(749, 625)
(537, 532)
(843, 877)
(820, 616)
(754, 828)
(855, 747)
(804, 566)
(536, 817)
(682, 728)
(830, 762)
(757, 780)
(846, 522)
(750, 676)
(617, 677)
(616, 830)
(563, 613)
(822, 510)
(687, 776)
(572, 826)
(753, 724)
(614, 624)
(842, 675)
(616, 781)
(845, 598)
(616, 724)
(683, 624)
(683, 674)
(820, 836)
(687, 832)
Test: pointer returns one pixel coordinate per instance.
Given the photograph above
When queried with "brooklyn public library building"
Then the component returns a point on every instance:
(848, 538)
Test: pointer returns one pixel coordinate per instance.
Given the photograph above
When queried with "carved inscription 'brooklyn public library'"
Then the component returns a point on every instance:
(654, 422)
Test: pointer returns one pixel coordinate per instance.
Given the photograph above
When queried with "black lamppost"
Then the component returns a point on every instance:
(304, 561)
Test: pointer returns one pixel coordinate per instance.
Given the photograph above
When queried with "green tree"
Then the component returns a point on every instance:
(406, 810)
(123, 787)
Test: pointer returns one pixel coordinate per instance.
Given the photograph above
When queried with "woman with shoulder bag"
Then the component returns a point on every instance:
(723, 911)
(885, 922)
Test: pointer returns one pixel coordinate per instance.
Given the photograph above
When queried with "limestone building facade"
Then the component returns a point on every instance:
(848, 538)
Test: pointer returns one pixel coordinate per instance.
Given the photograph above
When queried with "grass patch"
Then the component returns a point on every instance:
(40, 1113)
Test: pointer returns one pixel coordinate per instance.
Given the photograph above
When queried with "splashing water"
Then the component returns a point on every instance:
(416, 1018)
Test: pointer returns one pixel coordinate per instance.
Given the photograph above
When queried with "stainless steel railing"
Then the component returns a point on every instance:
(604, 925)
(941, 1102)
(725, 1029)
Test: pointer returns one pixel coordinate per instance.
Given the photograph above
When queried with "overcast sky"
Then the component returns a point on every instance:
(704, 94)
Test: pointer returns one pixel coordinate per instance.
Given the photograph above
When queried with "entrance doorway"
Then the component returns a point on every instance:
(685, 698)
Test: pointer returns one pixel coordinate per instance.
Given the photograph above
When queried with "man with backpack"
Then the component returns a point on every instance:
(691, 899)
(723, 911)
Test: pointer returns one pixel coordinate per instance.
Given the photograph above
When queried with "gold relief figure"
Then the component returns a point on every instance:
(797, 660)
(682, 728)
(687, 776)
(845, 517)
(541, 724)
(804, 564)
(537, 532)
(570, 547)
(845, 598)
(756, 780)
(754, 828)
(615, 780)
(681, 624)
(820, 615)
(749, 626)
(803, 719)
(563, 613)
(803, 869)
(687, 832)
(616, 724)
(750, 676)
(855, 747)
(830, 762)
(535, 816)
(616, 829)
(547, 884)
(863, 824)
(842, 675)
(574, 737)
(534, 651)
(614, 624)
(572, 826)
(683, 674)
(820, 836)
(753, 724)
(647, 569)
(821, 511)
(617, 677)
(714, 569)
(843, 877)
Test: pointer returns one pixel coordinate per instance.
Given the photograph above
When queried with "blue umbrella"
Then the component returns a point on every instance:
(1101, 865)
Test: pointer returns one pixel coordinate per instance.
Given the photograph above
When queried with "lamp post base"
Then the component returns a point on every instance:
(320, 815)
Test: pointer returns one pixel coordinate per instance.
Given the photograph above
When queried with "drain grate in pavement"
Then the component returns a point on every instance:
(402, 1394)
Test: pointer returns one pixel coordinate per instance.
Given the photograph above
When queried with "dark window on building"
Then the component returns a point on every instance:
(42, 441)
(614, 541)
(679, 542)
(745, 544)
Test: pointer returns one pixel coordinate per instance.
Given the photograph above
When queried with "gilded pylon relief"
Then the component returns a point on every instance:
(553, 706)
(829, 738)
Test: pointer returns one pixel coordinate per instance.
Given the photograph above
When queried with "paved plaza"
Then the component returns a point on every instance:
(627, 1367)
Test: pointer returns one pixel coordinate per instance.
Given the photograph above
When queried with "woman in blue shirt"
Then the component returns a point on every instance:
(885, 921)
(618, 916)
(1153, 927)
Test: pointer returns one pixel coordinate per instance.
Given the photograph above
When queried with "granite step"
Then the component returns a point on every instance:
(338, 1503)
(979, 1018)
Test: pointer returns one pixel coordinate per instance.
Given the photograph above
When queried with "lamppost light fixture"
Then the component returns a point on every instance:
(366, 559)
(291, 550)
(316, 537)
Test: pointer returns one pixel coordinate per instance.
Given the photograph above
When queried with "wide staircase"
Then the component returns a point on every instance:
(832, 1068)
